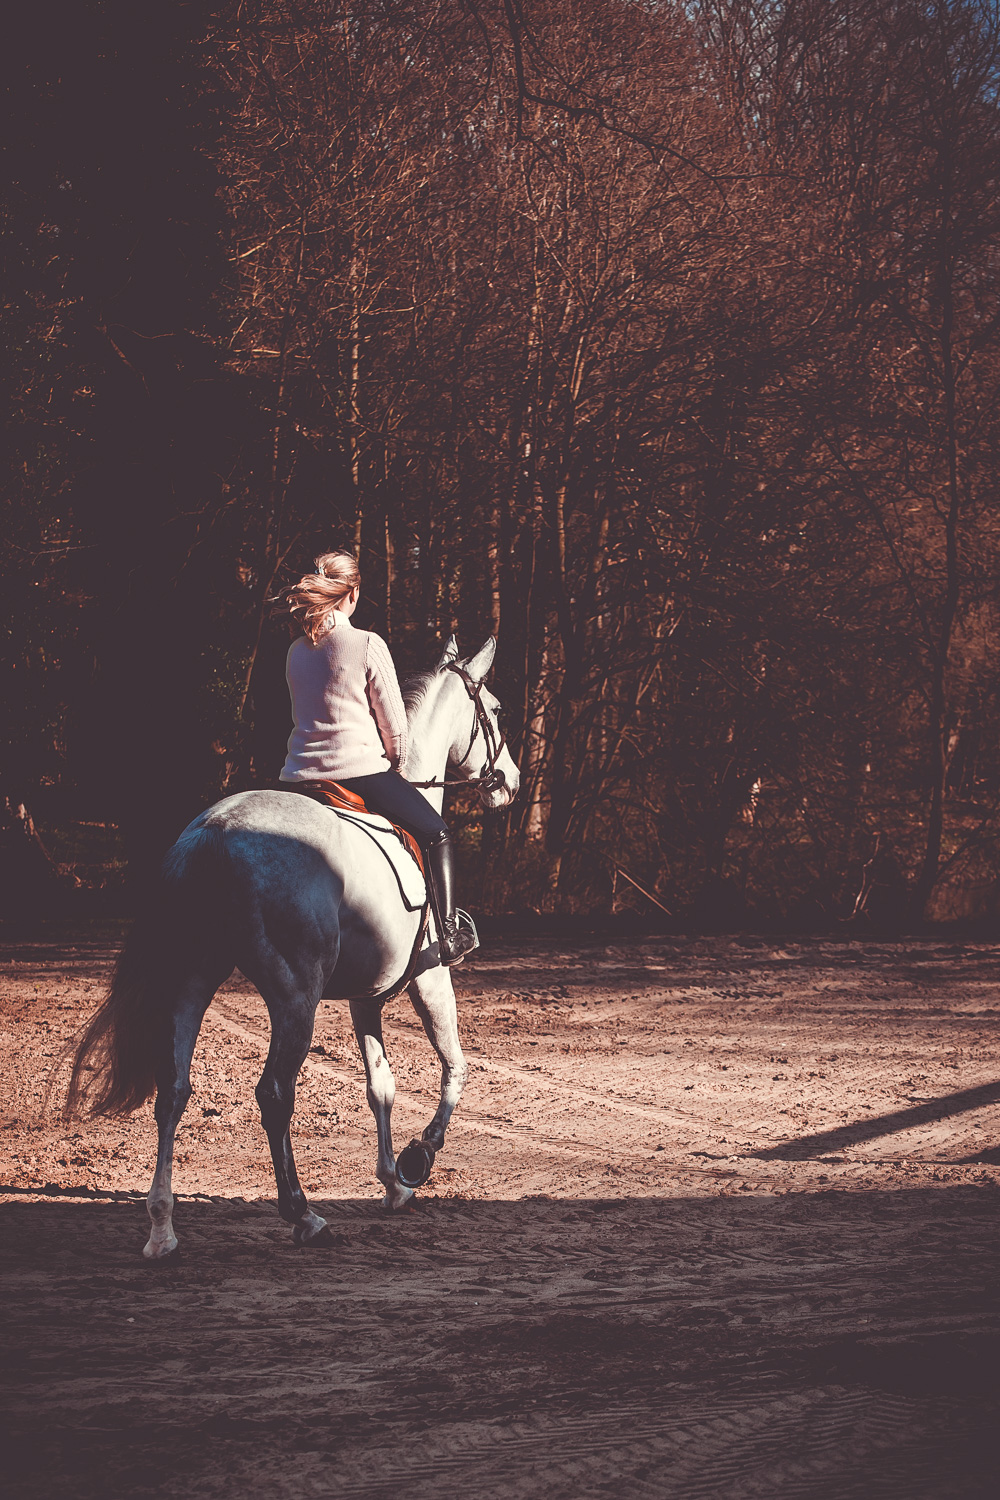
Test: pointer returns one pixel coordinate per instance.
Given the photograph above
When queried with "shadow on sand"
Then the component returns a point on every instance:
(833, 1344)
(808, 1147)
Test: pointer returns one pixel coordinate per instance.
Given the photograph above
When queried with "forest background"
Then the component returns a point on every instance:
(660, 339)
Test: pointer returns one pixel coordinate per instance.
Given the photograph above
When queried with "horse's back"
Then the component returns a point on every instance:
(270, 840)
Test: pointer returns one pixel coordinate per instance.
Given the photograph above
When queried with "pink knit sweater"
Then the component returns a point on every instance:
(346, 704)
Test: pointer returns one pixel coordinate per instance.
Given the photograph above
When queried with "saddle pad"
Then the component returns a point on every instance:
(392, 840)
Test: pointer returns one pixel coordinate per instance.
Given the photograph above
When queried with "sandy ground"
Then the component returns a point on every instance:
(715, 1218)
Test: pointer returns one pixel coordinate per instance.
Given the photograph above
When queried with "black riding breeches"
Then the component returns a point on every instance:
(394, 798)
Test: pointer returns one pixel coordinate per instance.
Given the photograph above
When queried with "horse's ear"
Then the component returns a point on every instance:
(477, 666)
(449, 654)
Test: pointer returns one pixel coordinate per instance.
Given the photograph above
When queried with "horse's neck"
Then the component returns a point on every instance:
(431, 729)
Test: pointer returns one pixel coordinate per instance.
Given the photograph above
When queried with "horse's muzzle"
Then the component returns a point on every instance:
(414, 1164)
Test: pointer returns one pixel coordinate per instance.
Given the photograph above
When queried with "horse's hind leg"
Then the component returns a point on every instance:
(181, 1026)
(367, 1018)
(292, 1018)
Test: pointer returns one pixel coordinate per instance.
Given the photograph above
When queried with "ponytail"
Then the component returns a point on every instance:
(313, 600)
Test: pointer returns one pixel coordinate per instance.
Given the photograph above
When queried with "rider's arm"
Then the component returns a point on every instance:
(386, 699)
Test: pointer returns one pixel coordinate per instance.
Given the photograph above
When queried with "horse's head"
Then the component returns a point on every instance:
(478, 751)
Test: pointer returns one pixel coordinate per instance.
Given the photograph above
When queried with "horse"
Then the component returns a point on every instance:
(308, 907)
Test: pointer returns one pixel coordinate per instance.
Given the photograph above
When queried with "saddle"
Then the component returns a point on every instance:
(332, 794)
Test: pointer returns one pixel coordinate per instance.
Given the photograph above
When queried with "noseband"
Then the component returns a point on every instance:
(494, 780)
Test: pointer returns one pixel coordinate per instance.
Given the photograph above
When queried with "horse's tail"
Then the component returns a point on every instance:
(113, 1068)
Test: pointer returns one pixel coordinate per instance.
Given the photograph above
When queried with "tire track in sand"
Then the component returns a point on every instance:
(657, 1114)
(466, 1119)
(843, 1445)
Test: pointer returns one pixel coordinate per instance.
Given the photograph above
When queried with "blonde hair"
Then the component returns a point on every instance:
(314, 598)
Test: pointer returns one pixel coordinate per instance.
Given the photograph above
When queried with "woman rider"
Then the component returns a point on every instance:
(350, 726)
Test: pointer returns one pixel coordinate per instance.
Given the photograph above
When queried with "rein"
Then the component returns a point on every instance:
(494, 779)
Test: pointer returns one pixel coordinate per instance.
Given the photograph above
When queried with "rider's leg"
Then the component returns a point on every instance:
(393, 797)
(455, 939)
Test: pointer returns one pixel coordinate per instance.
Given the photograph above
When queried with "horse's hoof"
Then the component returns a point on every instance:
(170, 1259)
(414, 1164)
(402, 1205)
(319, 1239)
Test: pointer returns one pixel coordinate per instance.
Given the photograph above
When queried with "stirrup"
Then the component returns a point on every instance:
(465, 928)
(462, 919)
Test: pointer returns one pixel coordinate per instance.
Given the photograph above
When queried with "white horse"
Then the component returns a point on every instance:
(308, 907)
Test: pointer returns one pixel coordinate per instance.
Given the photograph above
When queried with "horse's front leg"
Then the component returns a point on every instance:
(433, 998)
(367, 1018)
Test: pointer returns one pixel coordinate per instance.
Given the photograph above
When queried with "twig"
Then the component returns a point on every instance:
(642, 888)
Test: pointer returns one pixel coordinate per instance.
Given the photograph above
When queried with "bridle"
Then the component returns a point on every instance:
(494, 780)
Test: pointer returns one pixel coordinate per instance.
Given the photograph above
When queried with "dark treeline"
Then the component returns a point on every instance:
(660, 339)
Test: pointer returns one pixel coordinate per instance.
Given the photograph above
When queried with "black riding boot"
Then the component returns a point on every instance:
(457, 934)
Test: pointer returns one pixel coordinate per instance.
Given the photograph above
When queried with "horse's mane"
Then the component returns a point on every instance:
(415, 689)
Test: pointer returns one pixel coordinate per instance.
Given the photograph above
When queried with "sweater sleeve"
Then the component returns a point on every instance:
(386, 699)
